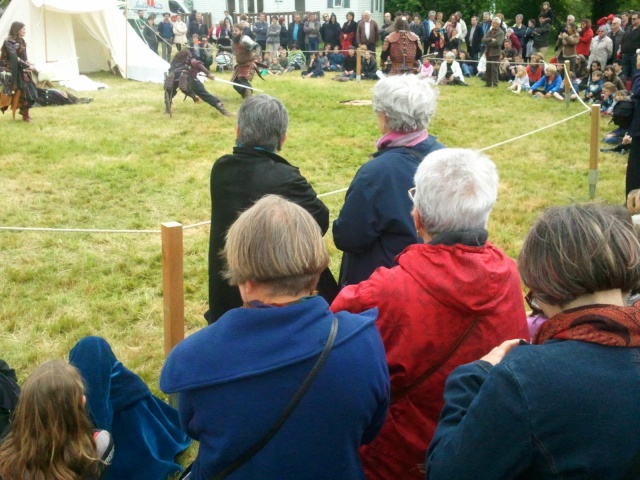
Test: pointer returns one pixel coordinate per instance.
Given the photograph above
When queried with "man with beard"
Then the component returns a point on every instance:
(402, 48)
(244, 49)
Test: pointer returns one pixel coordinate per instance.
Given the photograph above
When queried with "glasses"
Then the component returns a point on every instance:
(532, 301)
(412, 194)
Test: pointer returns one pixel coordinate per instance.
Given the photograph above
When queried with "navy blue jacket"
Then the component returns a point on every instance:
(564, 409)
(375, 223)
(634, 130)
(165, 29)
(235, 377)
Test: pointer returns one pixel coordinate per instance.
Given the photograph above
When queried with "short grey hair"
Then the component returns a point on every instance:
(450, 55)
(571, 18)
(431, 12)
(616, 20)
(262, 122)
(407, 102)
(519, 16)
(456, 190)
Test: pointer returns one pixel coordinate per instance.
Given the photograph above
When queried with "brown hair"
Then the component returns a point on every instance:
(276, 243)
(51, 436)
(577, 250)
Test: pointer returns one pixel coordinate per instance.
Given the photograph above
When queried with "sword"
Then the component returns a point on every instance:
(237, 84)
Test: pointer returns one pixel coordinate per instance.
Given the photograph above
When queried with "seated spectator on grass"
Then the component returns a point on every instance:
(297, 59)
(520, 411)
(51, 436)
(594, 87)
(426, 68)
(314, 69)
(336, 60)
(145, 429)
(350, 64)
(275, 68)
(615, 136)
(549, 86)
(521, 81)
(467, 68)
(235, 377)
(375, 223)
(446, 303)
(283, 60)
(450, 72)
(509, 52)
(369, 67)
(323, 61)
(606, 101)
(9, 391)
(535, 69)
(609, 75)
(482, 67)
(617, 67)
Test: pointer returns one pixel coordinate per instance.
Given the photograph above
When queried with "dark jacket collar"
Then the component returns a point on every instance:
(252, 152)
(470, 238)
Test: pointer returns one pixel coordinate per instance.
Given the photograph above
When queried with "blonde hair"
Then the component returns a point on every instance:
(550, 68)
(520, 70)
(51, 437)
(276, 243)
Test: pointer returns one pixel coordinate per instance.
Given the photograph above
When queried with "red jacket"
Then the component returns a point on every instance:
(425, 304)
(584, 45)
(534, 77)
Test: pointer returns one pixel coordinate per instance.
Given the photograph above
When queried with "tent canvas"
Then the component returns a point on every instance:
(67, 37)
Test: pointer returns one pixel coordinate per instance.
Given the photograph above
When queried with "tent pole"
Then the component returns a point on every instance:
(44, 19)
(126, 40)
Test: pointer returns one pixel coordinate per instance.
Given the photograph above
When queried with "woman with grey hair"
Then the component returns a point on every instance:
(238, 180)
(281, 363)
(542, 411)
(446, 303)
(375, 223)
(450, 72)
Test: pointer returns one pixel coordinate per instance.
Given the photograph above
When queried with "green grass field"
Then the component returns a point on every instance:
(120, 163)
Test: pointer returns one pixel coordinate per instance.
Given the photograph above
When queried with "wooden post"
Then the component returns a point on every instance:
(358, 64)
(593, 150)
(567, 83)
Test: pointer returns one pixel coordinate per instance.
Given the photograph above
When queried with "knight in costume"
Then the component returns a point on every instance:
(18, 89)
(244, 50)
(183, 75)
(401, 48)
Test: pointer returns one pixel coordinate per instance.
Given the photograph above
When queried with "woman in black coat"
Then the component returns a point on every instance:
(332, 32)
(284, 33)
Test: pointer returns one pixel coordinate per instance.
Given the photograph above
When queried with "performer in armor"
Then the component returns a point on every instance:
(244, 51)
(182, 75)
(401, 48)
(17, 88)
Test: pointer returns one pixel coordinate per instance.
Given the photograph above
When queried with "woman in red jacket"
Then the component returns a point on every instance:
(586, 34)
(447, 302)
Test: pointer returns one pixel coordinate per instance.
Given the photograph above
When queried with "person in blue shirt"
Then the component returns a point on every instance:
(549, 85)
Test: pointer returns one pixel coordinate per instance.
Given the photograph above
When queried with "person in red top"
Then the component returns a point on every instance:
(586, 35)
(448, 301)
(535, 69)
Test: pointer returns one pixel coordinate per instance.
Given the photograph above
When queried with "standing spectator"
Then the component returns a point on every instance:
(165, 31)
(443, 305)
(451, 24)
(452, 42)
(437, 40)
(273, 36)
(586, 35)
(349, 29)
(325, 22)
(633, 136)
(311, 35)
(520, 30)
(197, 27)
(375, 222)
(625, 23)
(284, 33)
(566, 45)
(601, 47)
(429, 25)
(150, 35)
(140, 23)
(386, 27)
(630, 43)
(418, 28)
(296, 35)
(616, 34)
(224, 37)
(474, 39)
(179, 32)
(461, 26)
(493, 42)
(546, 12)
(227, 16)
(513, 38)
(541, 36)
(486, 23)
(332, 32)
(527, 46)
(367, 32)
(260, 30)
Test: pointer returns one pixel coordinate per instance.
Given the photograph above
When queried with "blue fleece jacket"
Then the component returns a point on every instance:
(549, 87)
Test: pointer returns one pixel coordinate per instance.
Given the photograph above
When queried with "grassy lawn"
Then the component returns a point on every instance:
(120, 163)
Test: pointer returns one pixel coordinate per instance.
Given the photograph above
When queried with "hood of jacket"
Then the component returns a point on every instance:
(246, 342)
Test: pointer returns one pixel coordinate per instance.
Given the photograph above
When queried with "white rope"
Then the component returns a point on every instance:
(331, 193)
(195, 225)
(73, 230)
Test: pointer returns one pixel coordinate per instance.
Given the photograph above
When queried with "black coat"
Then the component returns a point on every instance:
(476, 45)
(332, 33)
(237, 182)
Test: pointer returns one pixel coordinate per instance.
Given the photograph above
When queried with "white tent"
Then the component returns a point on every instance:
(67, 37)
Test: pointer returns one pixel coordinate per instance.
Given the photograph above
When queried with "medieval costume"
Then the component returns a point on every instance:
(18, 89)
(402, 48)
(183, 75)
(244, 51)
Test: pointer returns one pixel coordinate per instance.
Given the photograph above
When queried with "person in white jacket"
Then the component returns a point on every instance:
(179, 33)
(450, 72)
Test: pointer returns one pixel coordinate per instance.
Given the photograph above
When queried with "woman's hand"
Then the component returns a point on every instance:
(496, 355)
(633, 201)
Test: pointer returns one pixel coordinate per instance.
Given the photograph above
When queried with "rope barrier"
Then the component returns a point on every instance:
(73, 230)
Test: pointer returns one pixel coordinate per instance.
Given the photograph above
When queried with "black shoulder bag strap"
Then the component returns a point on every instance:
(259, 445)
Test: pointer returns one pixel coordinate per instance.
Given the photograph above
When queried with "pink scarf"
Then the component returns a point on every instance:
(401, 139)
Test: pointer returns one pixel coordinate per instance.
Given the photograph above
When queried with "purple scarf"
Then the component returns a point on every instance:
(401, 139)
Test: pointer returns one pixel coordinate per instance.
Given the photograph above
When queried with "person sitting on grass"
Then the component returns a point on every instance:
(323, 61)
(615, 136)
(369, 67)
(450, 72)
(535, 69)
(336, 60)
(549, 86)
(275, 68)
(521, 81)
(426, 68)
(509, 52)
(608, 92)
(609, 75)
(51, 436)
(350, 64)
(594, 87)
(296, 59)
(314, 69)
(283, 60)
(464, 65)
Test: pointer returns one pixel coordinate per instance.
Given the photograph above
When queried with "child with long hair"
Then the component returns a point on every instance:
(51, 436)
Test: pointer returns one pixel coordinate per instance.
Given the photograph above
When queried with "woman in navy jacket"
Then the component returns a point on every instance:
(565, 407)
(235, 377)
